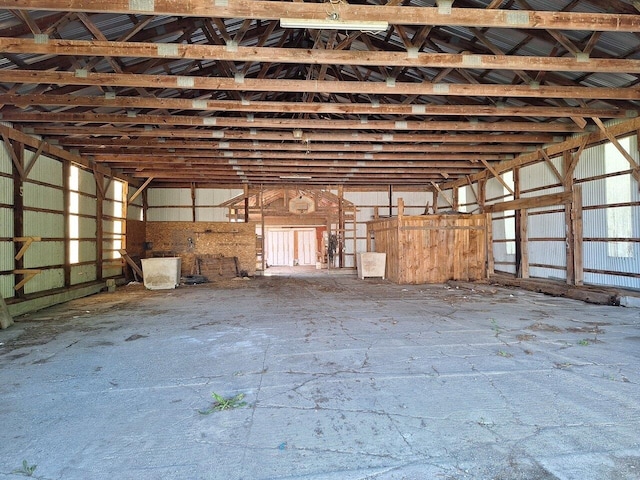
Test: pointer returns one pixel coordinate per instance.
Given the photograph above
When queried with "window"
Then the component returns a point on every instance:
(74, 219)
(509, 215)
(618, 191)
(462, 199)
(119, 213)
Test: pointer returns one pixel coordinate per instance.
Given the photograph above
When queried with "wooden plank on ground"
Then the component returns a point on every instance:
(131, 263)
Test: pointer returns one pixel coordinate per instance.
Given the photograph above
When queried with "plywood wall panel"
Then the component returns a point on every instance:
(207, 238)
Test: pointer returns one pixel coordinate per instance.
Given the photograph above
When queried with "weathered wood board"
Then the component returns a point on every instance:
(432, 248)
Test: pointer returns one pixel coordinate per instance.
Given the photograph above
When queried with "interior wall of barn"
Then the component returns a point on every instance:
(609, 202)
(61, 228)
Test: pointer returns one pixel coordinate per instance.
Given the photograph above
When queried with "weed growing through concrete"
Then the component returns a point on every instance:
(221, 403)
(504, 354)
(26, 470)
(495, 327)
(584, 342)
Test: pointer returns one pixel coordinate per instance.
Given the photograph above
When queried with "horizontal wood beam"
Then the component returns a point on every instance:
(100, 156)
(176, 82)
(87, 133)
(96, 48)
(395, 15)
(251, 107)
(130, 146)
(533, 202)
(293, 123)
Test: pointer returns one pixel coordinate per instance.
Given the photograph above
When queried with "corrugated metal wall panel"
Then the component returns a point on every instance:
(46, 170)
(82, 274)
(6, 286)
(6, 190)
(7, 251)
(86, 227)
(43, 254)
(548, 273)
(6, 165)
(87, 205)
(547, 225)
(216, 196)
(111, 271)
(46, 280)
(380, 199)
(87, 251)
(39, 196)
(6, 222)
(211, 214)
(134, 212)
(611, 280)
(169, 215)
(539, 175)
(591, 163)
(86, 182)
(548, 253)
(163, 197)
(40, 224)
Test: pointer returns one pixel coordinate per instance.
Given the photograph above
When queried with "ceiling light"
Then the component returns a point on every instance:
(334, 23)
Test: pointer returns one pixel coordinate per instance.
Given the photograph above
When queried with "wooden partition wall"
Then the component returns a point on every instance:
(431, 248)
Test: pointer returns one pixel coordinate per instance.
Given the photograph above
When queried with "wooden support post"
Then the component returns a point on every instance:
(490, 258)
(100, 194)
(390, 201)
(341, 226)
(26, 243)
(521, 220)
(570, 163)
(246, 204)
(66, 195)
(27, 274)
(576, 222)
(193, 202)
(131, 263)
(18, 210)
(140, 190)
(264, 234)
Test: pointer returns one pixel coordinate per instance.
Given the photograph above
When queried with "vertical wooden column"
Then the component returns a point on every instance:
(455, 194)
(521, 225)
(66, 193)
(341, 227)
(193, 202)
(100, 194)
(264, 234)
(246, 204)
(145, 205)
(576, 222)
(569, 163)
(17, 151)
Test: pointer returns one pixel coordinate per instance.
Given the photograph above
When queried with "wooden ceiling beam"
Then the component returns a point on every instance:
(175, 82)
(126, 146)
(293, 123)
(101, 155)
(186, 51)
(402, 15)
(128, 103)
(91, 134)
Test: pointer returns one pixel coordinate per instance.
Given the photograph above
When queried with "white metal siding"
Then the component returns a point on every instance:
(82, 274)
(7, 250)
(163, 197)
(46, 169)
(5, 159)
(169, 215)
(45, 280)
(42, 254)
(6, 190)
(39, 196)
(41, 224)
(6, 286)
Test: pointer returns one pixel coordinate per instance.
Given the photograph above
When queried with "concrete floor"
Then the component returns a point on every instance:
(344, 379)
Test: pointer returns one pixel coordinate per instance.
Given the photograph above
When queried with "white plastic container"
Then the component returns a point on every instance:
(371, 264)
(161, 273)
